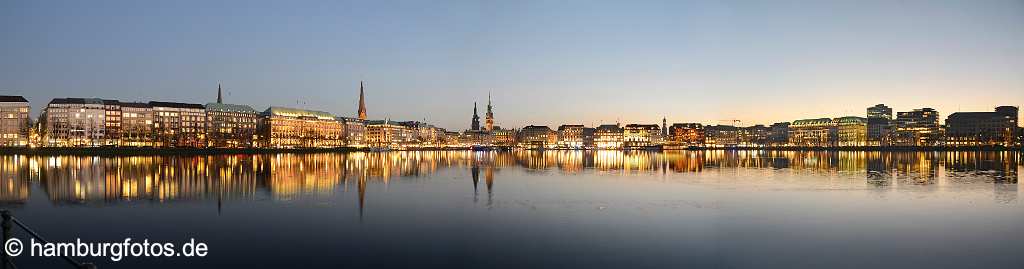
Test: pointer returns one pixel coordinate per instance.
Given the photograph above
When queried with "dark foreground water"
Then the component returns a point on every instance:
(555, 209)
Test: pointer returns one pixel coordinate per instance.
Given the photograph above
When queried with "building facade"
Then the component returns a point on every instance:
(983, 128)
(137, 125)
(570, 136)
(504, 137)
(74, 122)
(354, 131)
(14, 121)
(588, 137)
(388, 134)
(535, 136)
(282, 127)
(686, 135)
(851, 131)
(753, 136)
(230, 126)
(778, 135)
(919, 127)
(478, 138)
(179, 124)
(641, 135)
(812, 133)
(879, 125)
(721, 136)
(608, 136)
(424, 134)
(111, 122)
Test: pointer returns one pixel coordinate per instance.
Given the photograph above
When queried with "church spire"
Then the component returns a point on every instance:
(490, 114)
(362, 102)
(220, 100)
(475, 125)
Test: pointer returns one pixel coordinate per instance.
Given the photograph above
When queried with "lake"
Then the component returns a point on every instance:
(529, 209)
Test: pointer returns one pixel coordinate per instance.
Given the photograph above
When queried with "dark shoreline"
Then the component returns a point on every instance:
(115, 151)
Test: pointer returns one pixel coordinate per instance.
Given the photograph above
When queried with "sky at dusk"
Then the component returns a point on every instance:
(545, 62)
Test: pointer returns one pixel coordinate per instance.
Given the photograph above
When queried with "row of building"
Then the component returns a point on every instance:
(92, 122)
(915, 128)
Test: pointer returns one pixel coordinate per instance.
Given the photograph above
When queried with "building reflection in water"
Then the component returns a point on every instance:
(77, 179)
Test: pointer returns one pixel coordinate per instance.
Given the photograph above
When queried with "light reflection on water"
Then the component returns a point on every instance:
(75, 179)
(528, 209)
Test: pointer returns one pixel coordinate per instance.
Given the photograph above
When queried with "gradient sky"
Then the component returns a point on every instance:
(546, 62)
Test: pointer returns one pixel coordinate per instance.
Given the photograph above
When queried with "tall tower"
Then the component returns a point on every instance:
(664, 127)
(475, 125)
(490, 114)
(219, 99)
(362, 103)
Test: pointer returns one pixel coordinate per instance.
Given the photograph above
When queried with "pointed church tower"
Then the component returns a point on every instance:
(220, 100)
(490, 115)
(475, 125)
(362, 102)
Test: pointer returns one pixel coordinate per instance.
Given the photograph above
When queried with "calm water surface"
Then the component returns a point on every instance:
(554, 209)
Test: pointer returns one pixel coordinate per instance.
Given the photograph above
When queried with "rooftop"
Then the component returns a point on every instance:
(12, 98)
(175, 105)
(812, 121)
(93, 101)
(133, 104)
(229, 108)
(295, 112)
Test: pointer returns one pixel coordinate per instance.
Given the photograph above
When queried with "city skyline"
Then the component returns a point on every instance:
(578, 63)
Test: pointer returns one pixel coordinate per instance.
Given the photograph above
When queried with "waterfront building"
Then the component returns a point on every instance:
(430, 135)
(851, 131)
(354, 131)
(74, 122)
(179, 124)
(476, 138)
(588, 137)
(879, 125)
(812, 133)
(388, 134)
(451, 139)
(640, 135)
(136, 125)
(1020, 136)
(570, 136)
(721, 136)
(535, 136)
(504, 137)
(608, 136)
(423, 134)
(983, 128)
(230, 126)
(111, 122)
(362, 103)
(490, 115)
(753, 136)
(282, 127)
(778, 134)
(919, 127)
(14, 121)
(686, 135)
